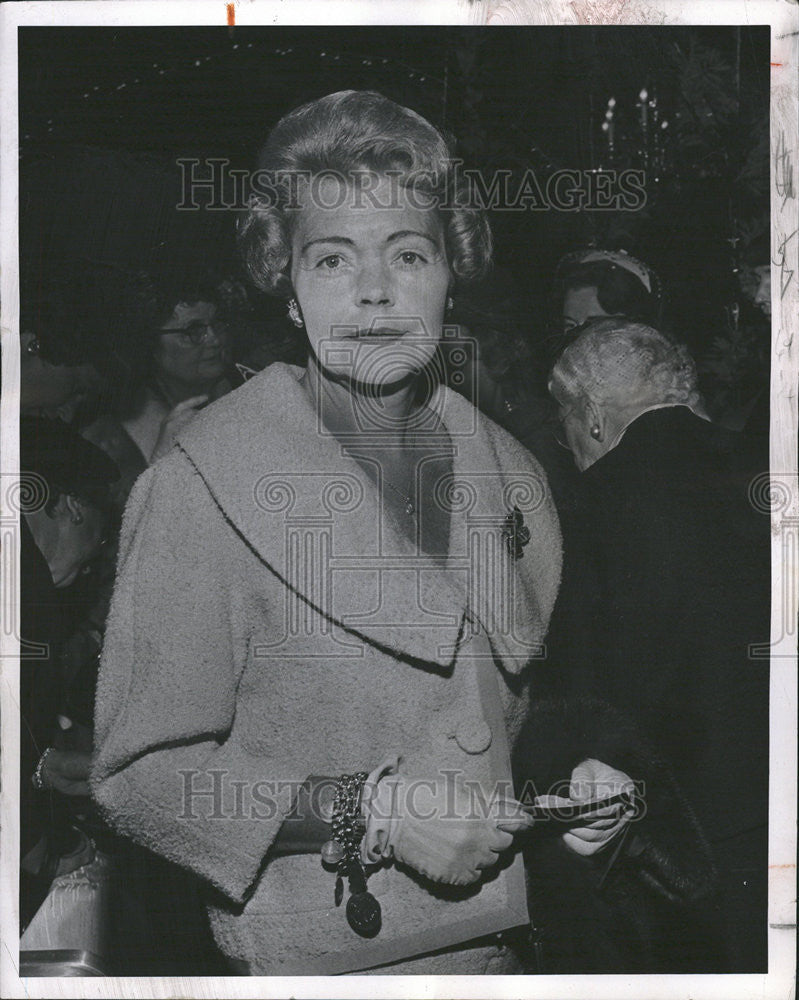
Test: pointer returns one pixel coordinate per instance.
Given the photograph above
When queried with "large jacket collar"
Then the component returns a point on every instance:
(313, 516)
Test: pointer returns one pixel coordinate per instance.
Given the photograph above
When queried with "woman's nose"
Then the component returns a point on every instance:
(214, 334)
(374, 287)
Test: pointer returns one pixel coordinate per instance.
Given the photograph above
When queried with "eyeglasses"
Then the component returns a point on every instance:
(197, 331)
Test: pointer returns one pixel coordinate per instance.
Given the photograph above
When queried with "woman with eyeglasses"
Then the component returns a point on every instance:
(167, 358)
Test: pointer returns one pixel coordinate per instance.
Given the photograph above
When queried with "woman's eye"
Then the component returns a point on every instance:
(411, 257)
(331, 262)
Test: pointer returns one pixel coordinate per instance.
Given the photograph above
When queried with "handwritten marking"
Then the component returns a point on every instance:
(775, 64)
(231, 15)
(784, 269)
(783, 170)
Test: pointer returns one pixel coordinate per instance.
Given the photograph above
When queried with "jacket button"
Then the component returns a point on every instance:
(473, 734)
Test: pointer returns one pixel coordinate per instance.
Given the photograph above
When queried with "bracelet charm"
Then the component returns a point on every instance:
(342, 852)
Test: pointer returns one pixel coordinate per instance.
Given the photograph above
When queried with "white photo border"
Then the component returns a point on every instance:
(783, 18)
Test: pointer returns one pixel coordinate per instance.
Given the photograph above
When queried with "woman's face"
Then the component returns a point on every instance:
(763, 294)
(371, 279)
(580, 305)
(192, 345)
(756, 285)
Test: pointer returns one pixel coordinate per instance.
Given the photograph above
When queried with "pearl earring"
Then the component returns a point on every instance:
(595, 431)
(294, 313)
(450, 303)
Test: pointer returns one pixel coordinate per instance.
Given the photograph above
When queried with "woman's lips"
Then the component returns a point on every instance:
(376, 333)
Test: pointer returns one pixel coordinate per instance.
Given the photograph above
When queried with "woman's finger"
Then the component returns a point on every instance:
(580, 846)
(500, 841)
(515, 825)
(603, 824)
(601, 812)
(588, 835)
(553, 802)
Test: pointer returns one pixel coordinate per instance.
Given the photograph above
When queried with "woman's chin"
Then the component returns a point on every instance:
(211, 370)
(380, 365)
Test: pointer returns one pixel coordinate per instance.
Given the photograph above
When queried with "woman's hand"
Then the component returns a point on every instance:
(67, 771)
(594, 780)
(439, 827)
(174, 422)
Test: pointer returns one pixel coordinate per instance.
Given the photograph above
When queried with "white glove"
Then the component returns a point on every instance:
(594, 780)
(435, 826)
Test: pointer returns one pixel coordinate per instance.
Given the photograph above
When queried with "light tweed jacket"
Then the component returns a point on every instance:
(270, 622)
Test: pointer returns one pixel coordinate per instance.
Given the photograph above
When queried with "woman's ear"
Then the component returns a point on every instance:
(74, 508)
(595, 417)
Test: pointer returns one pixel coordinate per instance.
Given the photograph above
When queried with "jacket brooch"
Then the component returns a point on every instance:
(515, 532)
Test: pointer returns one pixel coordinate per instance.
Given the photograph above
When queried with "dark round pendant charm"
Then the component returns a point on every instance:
(363, 914)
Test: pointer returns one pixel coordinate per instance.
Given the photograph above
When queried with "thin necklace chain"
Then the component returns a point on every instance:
(410, 510)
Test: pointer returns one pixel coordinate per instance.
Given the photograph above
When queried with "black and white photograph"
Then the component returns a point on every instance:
(399, 503)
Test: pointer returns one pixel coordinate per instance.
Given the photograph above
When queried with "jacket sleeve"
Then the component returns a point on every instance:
(170, 771)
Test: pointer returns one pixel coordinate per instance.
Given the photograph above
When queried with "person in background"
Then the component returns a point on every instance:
(591, 284)
(109, 310)
(755, 273)
(671, 590)
(166, 357)
(751, 411)
(57, 372)
(64, 523)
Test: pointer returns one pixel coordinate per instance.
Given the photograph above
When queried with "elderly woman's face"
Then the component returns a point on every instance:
(371, 279)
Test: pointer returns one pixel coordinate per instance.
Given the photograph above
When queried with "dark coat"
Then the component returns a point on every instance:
(666, 585)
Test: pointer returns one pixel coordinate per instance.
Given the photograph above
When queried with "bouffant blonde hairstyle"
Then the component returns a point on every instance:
(620, 363)
(347, 135)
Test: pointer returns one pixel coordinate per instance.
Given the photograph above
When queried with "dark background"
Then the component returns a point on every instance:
(105, 113)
